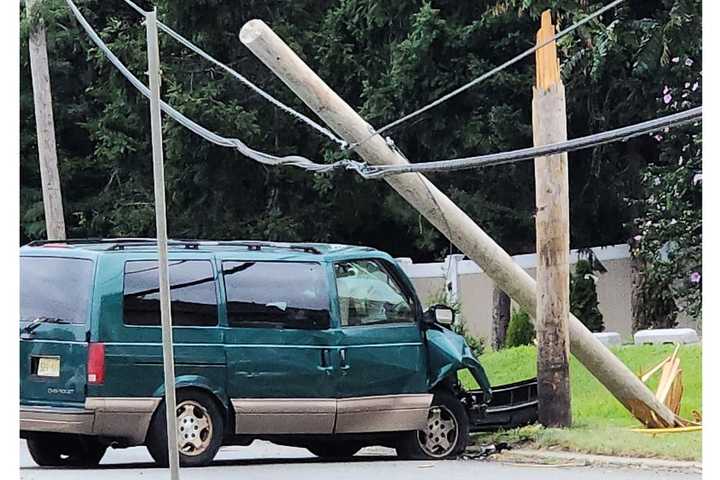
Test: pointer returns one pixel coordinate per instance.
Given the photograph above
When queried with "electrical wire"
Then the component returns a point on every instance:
(503, 158)
(265, 158)
(187, 43)
(488, 74)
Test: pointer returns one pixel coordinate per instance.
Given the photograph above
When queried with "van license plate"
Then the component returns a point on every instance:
(48, 367)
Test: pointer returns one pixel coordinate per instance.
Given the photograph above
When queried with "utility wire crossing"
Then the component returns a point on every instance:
(490, 73)
(381, 171)
(265, 158)
(187, 43)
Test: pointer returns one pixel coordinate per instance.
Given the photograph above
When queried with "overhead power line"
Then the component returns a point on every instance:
(187, 43)
(488, 74)
(619, 134)
(265, 158)
(380, 171)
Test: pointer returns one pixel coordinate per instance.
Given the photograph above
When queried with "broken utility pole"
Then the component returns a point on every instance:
(45, 125)
(448, 218)
(552, 220)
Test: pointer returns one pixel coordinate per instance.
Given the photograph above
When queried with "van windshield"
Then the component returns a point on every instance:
(55, 287)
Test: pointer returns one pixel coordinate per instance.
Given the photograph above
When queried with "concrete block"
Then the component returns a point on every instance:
(666, 335)
(609, 339)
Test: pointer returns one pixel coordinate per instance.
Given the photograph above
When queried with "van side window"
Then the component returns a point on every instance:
(369, 295)
(276, 295)
(192, 293)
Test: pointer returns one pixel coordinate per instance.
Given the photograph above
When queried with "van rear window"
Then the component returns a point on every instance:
(55, 287)
(276, 295)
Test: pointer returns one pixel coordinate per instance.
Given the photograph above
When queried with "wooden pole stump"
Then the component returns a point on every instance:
(553, 238)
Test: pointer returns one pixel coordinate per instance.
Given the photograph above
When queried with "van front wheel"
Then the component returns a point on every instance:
(200, 430)
(446, 433)
(50, 450)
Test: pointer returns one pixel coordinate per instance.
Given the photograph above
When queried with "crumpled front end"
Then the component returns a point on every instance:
(449, 353)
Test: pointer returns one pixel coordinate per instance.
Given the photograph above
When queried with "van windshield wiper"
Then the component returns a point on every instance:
(39, 321)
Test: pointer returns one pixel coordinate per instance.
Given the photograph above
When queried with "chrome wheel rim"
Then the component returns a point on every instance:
(194, 428)
(440, 435)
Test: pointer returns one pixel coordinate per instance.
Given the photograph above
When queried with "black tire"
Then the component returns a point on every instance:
(336, 450)
(48, 450)
(203, 405)
(418, 446)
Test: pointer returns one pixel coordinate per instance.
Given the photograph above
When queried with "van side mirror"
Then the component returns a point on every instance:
(441, 314)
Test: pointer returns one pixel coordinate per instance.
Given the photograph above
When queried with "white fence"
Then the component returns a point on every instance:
(473, 288)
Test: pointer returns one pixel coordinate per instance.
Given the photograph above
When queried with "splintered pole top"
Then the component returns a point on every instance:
(546, 60)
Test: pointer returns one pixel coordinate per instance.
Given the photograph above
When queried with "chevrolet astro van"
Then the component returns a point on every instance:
(324, 347)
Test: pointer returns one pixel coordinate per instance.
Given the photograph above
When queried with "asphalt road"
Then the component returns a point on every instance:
(263, 460)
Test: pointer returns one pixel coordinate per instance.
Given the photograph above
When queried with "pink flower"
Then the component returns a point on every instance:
(658, 138)
(666, 90)
(689, 62)
(667, 98)
(695, 277)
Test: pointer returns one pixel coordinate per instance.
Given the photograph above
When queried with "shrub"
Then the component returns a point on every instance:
(583, 297)
(521, 330)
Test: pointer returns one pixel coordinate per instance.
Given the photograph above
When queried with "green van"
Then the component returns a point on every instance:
(324, 347)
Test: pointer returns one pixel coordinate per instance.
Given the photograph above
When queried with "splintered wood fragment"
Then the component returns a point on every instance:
(653, 370)
(547, 72)
(669, 375)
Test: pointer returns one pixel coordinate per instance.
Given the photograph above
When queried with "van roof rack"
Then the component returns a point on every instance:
(122, 243)
(257, 246)
(113, 243)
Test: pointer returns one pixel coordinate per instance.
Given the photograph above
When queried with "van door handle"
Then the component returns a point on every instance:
(344, 365)
(325, 361)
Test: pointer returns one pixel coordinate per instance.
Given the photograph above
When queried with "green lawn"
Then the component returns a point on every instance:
(600, 423)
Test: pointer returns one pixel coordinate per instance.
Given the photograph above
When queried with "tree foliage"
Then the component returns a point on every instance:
(668, 243)
(521, 330)
(386, 59)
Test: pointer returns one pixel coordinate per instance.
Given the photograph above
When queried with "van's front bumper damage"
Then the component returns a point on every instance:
(126, 419)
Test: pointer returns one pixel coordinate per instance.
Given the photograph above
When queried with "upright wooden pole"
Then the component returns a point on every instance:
(162, 241)
(447, 217)
(553, 237)
(45, 127)
(500, 317)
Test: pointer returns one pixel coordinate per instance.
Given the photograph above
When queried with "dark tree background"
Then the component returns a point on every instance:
(386, 59)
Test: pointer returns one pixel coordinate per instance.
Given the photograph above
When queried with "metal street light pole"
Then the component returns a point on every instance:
(162, 241)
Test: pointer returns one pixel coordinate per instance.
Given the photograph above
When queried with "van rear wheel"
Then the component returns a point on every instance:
(49, 450)
(200, 430)
(446, 432)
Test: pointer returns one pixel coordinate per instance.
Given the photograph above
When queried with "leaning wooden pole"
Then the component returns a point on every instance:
(552, 220)
(447, 217)
(45, 126)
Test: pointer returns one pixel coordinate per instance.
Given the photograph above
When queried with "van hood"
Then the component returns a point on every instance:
(449, 353)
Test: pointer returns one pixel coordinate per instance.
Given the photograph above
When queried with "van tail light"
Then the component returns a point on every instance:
(96, 363)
